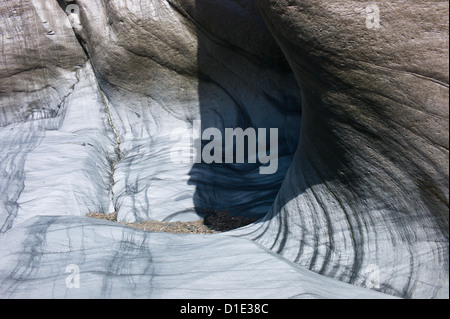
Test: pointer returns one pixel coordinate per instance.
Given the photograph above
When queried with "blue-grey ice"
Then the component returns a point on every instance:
(98, 105)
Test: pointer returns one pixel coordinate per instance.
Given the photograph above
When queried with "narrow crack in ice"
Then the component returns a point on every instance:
(118, 141)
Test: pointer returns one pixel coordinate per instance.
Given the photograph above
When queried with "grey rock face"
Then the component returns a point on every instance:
(369, 183)
(40, 56)
(98, 98)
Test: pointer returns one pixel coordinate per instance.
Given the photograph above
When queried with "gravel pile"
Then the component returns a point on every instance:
(213, 223)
